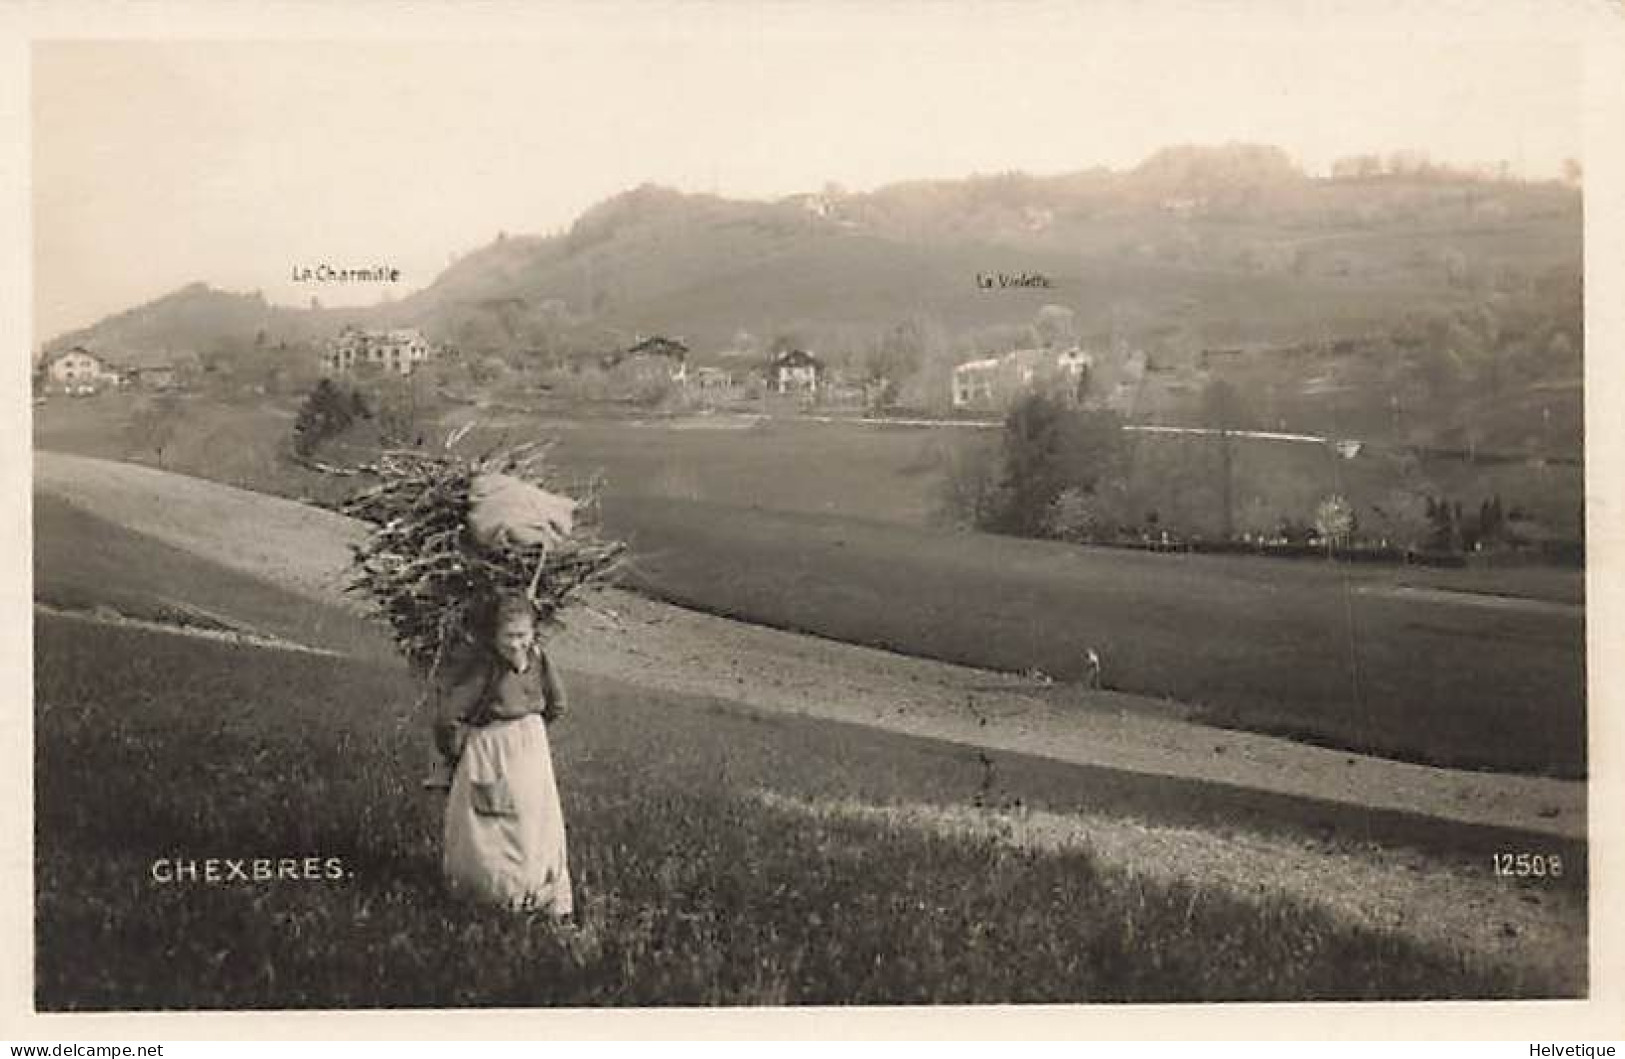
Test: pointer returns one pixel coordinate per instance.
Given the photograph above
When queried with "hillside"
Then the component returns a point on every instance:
(1217, 244)
(1222, 245)
(1400, 303)
(199, 321)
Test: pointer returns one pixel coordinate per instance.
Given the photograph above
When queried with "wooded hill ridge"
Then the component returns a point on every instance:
(1196, 247)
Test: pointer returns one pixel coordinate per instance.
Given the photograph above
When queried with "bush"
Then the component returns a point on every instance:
(1084, 516)
(326, 413)
(1049, 447)
(1075, 515)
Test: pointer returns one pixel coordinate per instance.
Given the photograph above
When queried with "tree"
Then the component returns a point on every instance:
(894, 357)
(327, 412)
(1404, 518)
(1048, 447)
(1334, 521)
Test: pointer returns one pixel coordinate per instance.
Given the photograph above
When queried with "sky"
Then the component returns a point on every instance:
(157, 163)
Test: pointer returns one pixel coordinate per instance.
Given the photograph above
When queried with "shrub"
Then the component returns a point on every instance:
(327, 412)
(1075, 515)
(1049, 447)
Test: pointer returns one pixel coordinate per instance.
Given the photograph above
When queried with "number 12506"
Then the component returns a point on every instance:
(1538, 865)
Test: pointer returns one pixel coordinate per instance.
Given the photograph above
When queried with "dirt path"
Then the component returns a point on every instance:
(660, 646)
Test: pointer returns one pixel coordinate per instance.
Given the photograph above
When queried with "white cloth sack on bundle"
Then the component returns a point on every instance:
(501, 506)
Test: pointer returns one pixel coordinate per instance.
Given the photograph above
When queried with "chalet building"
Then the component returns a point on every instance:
(993, 383)
(656, 357)
(795, 371)
(79, 371)
(400, 350)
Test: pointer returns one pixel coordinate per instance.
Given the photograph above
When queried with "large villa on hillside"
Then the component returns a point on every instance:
(992, 383)
(400, 350)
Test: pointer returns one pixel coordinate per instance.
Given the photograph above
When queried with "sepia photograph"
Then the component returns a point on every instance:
(756, 507)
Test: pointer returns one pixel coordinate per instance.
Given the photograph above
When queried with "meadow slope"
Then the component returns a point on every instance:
(668, 648)
(820, 531)
(726, 854)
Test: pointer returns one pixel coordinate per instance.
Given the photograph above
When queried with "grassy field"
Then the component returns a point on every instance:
(818, 529)
(693, 888)
(870, 472)
(1306, 649)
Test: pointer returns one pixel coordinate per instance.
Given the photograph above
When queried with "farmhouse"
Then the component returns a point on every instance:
(992, 383)
(795, 371)
(654, 358)
(400, 350)
(78, 370)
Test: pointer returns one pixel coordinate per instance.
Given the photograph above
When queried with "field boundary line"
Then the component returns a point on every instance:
(108, 616)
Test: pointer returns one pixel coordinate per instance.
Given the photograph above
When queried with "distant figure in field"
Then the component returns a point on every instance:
(1092, 670)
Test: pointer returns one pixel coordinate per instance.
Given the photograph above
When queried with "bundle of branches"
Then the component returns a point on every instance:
(426, 571)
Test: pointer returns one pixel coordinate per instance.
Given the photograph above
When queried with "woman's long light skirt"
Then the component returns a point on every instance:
(504, 838)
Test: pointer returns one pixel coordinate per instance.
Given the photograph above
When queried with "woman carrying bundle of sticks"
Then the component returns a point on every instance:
(469, 560)
(504, 825)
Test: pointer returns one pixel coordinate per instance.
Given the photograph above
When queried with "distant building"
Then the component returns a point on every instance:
(795, 371)
(653, 358)
(992, 383)
(400, 350)
(153, 377)
(78, 371)
(976, 382)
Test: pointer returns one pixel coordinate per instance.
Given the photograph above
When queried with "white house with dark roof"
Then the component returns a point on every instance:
(992, 383)
(795, 371)
(655, 357)
(78, 370)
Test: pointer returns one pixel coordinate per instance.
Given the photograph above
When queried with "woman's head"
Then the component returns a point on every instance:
(508, 623)
(514, 626)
